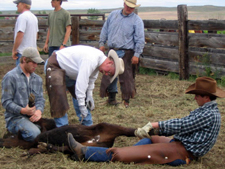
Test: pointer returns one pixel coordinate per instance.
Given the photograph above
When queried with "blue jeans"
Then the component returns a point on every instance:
(87, 121)
(98, 154)
(29, 130)
(51, 49)
(113, 86)
(18, 59)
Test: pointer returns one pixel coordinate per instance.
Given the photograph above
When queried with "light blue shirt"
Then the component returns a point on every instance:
(122, 31)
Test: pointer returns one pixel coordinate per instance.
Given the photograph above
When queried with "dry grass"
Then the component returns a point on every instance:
(158, 98)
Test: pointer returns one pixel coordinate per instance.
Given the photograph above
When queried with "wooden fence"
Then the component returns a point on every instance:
(169, 45)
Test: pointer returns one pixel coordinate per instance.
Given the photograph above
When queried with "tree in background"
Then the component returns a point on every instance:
(93, 11)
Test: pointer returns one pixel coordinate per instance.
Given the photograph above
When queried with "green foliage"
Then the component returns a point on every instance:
(205, 61)
(93, 11)
(220, 32)
(147, 71)
(5, 54)
(1, 16)
(173, 75)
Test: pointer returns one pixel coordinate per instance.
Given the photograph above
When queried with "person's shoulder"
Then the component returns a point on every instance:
(65, 11)
(116, 11)
(11, 73)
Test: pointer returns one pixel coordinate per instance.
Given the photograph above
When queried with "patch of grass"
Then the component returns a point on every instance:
(146, 71)
(5, 54)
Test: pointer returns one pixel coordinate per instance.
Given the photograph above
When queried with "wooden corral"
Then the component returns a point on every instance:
(169, 45)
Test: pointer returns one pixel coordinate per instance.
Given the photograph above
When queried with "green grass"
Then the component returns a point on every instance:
(5, 54)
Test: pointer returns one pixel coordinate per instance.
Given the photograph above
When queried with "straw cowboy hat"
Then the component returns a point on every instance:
(119, 64)
(205, 86)
(131, 3)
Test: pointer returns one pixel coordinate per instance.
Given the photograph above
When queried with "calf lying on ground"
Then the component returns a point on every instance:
(101, 135)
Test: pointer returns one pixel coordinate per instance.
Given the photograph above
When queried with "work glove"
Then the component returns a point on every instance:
(89, 100)
(84, 111)
(144, 131)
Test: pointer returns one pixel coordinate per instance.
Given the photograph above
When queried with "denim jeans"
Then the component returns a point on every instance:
(87, 121)
(18, 59)
(51, 49)
(98, 154)
(29, 130)
(113, 86)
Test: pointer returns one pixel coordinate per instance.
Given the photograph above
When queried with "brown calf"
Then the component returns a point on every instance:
(101, 135)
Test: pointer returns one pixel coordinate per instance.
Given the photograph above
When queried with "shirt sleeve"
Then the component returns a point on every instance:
(85, 80)
(184, 125)
(104, 32)
(139, 37)
(8, 87)
(21, 23)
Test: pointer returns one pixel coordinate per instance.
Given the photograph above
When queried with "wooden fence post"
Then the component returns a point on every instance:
(75, 30)
(183, 42)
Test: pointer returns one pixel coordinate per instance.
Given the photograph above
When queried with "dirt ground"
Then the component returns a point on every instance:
(158, 98)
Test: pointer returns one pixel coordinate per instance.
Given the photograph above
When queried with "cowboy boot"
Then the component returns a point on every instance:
(112, 99)
(126, 102)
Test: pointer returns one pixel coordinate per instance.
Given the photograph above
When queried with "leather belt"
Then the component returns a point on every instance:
(120, 49)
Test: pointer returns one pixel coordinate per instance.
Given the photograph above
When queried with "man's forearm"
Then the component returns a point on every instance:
(18, 41)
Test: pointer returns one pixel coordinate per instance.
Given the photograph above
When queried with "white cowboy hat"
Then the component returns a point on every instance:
(119, 64)
(131, 3)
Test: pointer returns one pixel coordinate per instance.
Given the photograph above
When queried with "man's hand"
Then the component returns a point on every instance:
(84, 111)
(36, 116)
(90, 100)
(14, 53)
(102, 48)
(28, 110)
(134, 60)
(144, 131)
(45, 48)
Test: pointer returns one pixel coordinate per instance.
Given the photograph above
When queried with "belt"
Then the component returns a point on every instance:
(120, 49)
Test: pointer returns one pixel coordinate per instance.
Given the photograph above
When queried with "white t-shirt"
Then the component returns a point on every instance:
(28, 24)
(81, 63)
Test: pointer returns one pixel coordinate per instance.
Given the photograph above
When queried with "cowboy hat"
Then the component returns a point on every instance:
(118, 62)
(131, 3)
(205, 86)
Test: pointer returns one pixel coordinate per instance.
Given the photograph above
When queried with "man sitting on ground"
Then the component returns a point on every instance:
(194, 135)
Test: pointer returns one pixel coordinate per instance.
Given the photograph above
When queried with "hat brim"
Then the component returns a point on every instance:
(15, 2)
(38, 60)
(116, 60)
(191, 90)
(131, 5)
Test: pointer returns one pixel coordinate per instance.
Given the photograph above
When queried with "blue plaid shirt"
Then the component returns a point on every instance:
(123, 32)
(198, 131)
(16, 91)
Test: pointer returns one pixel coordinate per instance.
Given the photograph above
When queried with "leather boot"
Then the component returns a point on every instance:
(112, 99)
(126, 102)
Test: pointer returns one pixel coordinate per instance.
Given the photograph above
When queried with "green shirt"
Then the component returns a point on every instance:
(57, 22)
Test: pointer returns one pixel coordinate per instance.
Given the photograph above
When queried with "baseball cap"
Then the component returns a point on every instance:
(28, 2)
(33, 54)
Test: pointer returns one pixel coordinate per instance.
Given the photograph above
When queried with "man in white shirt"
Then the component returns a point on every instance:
(76, 68)
(26, 29)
